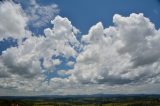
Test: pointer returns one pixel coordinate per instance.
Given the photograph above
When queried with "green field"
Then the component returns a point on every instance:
(83, 101)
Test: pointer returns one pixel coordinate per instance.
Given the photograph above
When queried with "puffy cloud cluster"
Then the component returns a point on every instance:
(106, 60)
(13, 20)
(25, 63)
(126, 53)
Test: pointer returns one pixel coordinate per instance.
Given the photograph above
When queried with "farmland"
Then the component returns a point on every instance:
(90, 100)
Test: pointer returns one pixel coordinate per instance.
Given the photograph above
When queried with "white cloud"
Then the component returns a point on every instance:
(13, 20)
(70, 63)
(126, 53)
(111, 59)
(23, 66)
(40, 15)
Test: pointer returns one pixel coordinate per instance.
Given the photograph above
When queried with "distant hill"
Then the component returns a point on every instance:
(84, 96)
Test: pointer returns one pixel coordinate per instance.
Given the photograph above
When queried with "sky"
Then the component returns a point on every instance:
(75, 47)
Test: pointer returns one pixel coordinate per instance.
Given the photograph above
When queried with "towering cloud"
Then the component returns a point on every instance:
(126, 53)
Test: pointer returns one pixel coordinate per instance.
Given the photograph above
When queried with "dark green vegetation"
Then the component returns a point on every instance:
(92, 100)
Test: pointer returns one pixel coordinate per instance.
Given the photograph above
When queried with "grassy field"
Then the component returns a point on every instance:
(83, 101)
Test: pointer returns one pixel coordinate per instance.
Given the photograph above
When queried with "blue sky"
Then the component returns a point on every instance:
(67, 46)
(86, 13)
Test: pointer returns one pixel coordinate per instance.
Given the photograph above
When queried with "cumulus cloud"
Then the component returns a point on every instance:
(110, 59)
(13, 20)
(126, 53)
(35, 55)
